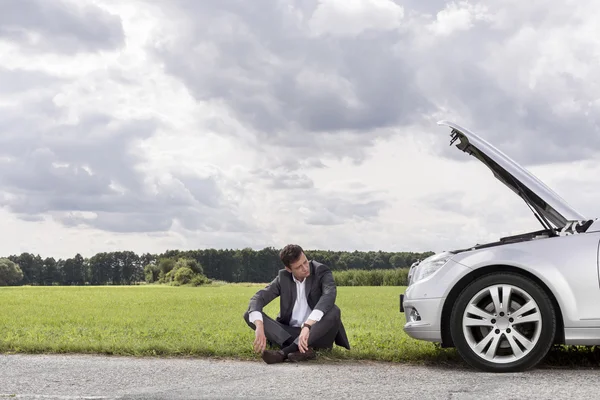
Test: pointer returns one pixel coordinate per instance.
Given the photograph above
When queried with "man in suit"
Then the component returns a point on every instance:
(308, 317)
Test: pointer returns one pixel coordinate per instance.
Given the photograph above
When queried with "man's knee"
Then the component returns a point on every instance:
(334, 313)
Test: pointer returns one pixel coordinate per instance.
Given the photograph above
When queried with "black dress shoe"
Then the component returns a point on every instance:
(298, 356)
(273, 356)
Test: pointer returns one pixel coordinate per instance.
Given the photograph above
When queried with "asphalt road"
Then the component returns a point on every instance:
(101, 377)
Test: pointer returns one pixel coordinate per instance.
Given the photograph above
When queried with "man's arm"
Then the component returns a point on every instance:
(257, 303)
(325, 303)
(262, 298)
(328, 292)
(327, 300)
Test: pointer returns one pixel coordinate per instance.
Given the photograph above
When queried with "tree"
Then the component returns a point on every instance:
(79, 270)
(131, 271)
(10, 272)
(50, 272)
(230, 265)
(69, 271)
(191, 264)
(100, 268)
(28, 265)
(351, 261)
(378, 263)
(397, 261)
(165, 265)
(184, 263)
(184, 275)
(151, 272)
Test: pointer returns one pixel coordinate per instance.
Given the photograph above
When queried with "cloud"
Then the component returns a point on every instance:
(59, 26)
(525, 84)
(15, 82)
(285, 180)
(235, 123)
(353, 17)
(457, 17)
(330, 207)
(91, 166)
(285, 83)
(452, 202)
(304, 70)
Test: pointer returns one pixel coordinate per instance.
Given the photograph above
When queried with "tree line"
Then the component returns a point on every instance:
(229, 265)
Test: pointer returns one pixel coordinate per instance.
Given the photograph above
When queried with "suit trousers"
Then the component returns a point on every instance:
(322, 334)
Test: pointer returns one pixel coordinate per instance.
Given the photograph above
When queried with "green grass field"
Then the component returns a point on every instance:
(176, 321)
(203, 321)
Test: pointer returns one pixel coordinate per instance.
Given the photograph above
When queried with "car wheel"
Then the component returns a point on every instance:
(503, 322)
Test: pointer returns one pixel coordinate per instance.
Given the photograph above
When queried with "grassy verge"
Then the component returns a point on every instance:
(179, 321)
(154, 320)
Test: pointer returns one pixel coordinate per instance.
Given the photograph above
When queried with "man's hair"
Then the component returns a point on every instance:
(290, 253)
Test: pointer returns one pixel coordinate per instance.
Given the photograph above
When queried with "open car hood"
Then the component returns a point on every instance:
(547, 206)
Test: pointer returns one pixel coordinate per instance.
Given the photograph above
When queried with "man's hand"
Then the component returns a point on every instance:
(260, 340)
(303, 338)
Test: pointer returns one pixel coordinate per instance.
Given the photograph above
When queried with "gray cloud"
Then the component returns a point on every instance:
(429, 8)
(120, 222)
(288, 86)
(292, 87)
(14, 82)
(489, 213)
(489, 79)
(203, 190)
(59, 26)
(524, 126)
(448, 202)
(32, 218)
(325, 208)
(284, 179)
(91, 167)
(308, 98)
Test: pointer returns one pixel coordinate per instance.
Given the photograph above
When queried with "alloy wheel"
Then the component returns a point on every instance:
(502, 323)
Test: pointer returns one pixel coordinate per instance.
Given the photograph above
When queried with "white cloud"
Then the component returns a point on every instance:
(458, 17)
(222, 124)
(352, 17)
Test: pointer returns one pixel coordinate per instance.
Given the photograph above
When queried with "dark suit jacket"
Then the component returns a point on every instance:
(321, 294)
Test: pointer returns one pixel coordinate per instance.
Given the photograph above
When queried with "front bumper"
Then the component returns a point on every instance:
(422, 318)
(423, 301)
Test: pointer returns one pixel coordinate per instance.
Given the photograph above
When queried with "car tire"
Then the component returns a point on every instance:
(522, 329)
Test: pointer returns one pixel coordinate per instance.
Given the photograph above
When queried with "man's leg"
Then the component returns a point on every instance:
(322, 335)
(276, 332)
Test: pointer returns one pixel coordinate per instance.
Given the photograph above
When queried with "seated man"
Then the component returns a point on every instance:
(308, 317)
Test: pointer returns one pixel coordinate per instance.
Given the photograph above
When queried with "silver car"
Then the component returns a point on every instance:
(503, 305)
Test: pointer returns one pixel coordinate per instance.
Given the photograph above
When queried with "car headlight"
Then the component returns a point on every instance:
(428, 267)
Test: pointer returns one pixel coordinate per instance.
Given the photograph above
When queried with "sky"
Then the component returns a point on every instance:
(149, 125)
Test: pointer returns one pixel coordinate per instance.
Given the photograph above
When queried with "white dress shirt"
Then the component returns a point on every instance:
(301, 311)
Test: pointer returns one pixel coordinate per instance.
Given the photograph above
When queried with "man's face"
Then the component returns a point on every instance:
(300, 268)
